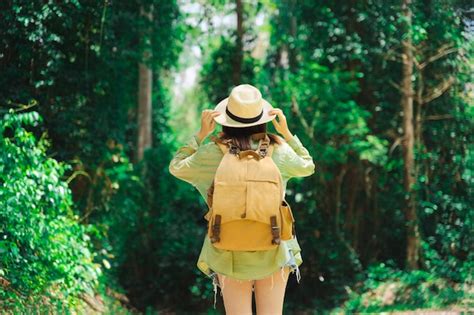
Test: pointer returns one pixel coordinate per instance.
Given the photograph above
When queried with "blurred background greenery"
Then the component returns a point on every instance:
(96, 97)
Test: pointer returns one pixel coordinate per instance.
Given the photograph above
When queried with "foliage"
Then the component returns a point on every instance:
(79, 60)
(334, 69)
(150, 227)
(338, 87)
(389, 289)
(219, 65)
(44, 250)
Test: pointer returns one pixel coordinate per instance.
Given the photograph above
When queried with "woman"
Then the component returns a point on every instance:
(243, 115)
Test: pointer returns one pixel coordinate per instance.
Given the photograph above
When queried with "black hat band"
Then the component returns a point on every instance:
(243, 120)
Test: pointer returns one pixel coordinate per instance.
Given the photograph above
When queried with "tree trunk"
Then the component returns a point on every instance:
(239, 45)
(145, 78)
(408, 142)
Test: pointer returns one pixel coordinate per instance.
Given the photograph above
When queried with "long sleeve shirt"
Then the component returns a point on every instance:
(196, 162)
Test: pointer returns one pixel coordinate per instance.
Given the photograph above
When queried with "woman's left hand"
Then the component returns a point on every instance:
(207, 123)
(281, 125)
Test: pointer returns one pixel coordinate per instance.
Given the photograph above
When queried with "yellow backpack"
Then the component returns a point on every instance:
(247, 210)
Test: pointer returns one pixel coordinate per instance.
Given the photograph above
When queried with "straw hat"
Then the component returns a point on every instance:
(244, 107)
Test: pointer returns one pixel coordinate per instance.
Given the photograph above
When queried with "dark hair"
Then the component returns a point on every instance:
(241, 136)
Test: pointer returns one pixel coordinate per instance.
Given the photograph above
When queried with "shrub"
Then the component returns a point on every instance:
(44, 252)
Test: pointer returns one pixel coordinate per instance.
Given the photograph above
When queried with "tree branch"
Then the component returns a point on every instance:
(438, 90)
(443, 51)
(438, 117)
(304, 123)
(395, 144)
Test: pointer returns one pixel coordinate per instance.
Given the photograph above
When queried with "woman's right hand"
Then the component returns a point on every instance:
(208, 124)
(281, 125)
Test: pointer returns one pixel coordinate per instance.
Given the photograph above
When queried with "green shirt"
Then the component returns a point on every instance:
(196, 163)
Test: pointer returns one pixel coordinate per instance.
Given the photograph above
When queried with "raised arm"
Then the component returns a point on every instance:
(293, 159)
(195, 162)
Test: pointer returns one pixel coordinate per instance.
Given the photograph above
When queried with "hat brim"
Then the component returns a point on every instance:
(225, 120)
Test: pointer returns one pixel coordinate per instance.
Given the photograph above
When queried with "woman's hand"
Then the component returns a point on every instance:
(208, 124)
(281, 125)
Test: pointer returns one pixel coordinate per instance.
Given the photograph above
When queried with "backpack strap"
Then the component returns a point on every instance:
(275, 230)
(270, 150)
(216, 229)
(264, 147)
(223, 148)
(222, 144)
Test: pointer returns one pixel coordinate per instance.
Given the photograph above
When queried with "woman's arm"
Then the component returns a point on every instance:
(195, 162)
(292, 157)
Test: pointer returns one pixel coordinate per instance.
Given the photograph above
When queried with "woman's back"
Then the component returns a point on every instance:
(241, 115)
(197, 162)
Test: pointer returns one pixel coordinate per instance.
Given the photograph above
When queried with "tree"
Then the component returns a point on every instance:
(145, 79)
(408, 143)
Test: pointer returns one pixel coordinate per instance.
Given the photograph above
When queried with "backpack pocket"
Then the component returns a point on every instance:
(263, 199)
(229, 200)
(287, 224)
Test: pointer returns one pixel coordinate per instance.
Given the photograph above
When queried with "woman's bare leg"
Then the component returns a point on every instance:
(237, 295)
(270, 292)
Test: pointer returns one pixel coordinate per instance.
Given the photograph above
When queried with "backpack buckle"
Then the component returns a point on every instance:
(249, 154)
(263, 146)
(216, 229)
(234, 149)
(275, 230)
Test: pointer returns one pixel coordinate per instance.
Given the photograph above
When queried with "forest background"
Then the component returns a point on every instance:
(96, 97)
